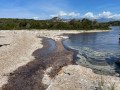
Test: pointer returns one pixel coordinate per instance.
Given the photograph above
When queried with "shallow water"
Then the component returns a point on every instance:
(52, 46)
(97, 51)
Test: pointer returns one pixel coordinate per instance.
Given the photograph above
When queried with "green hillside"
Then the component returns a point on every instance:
(54, 24)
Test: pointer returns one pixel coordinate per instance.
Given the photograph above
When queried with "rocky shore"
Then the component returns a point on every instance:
(26, 64)
(76, 77)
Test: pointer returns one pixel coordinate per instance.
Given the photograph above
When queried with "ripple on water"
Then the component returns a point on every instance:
(97, 51)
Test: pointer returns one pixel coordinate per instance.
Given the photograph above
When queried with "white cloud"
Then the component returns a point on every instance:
(35, 18)
(73, 14)
(61, 13)
(88, 15)
(65, 15)
(116, 16)
(104, 15)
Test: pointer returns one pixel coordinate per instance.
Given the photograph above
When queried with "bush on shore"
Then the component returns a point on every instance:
(19, 24)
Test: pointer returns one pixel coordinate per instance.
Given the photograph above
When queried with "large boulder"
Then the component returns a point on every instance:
(118, 63)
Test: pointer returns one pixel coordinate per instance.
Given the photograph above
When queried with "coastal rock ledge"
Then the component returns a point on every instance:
(76, 77)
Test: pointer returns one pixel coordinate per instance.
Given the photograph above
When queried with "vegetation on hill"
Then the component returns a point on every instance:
(114, 23)
(52, 24)
(57, 19)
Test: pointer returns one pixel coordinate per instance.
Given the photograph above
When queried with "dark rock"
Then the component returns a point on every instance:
(4, 45)
(1, 45)
(118, 63)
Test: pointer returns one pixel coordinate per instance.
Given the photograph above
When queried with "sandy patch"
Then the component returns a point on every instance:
(17, 53)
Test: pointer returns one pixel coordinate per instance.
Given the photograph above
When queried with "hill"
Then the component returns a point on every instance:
(57, 19)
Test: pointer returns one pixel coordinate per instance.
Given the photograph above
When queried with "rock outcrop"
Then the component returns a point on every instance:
(75, 77)
(118, 63)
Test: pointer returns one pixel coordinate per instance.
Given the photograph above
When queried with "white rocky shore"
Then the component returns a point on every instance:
(16, 50)
(76, 77)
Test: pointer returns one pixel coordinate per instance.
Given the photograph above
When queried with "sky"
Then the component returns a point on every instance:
(45, 9)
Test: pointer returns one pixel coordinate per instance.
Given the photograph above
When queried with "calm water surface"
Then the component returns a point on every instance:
(97, 51)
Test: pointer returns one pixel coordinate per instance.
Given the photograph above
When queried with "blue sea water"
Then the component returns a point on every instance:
(97, 51)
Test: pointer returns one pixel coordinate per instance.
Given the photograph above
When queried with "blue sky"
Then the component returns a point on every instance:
(44, 9)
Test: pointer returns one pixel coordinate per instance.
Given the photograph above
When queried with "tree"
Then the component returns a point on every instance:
(86, 24)
(95, 22)
(72, 22)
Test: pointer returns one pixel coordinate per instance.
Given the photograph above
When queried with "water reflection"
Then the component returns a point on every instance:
(98, 51)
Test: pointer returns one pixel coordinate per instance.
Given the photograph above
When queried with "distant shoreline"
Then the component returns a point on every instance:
(53, 34)
(55, 31)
